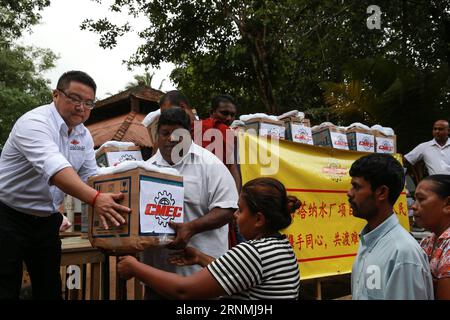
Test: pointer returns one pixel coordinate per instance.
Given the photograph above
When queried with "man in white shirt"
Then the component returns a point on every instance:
(49, 152)
(435, 153)
(210, 195)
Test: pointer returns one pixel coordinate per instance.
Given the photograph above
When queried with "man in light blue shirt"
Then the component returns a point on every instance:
(390, 264)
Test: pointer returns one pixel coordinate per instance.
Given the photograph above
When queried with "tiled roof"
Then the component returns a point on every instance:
(126, 127)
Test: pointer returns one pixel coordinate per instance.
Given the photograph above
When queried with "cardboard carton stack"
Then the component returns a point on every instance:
(112, 153)
(360, 138)
(264, 125)
(385, 139)
(329, 135)
(155, 198)
(298, 129)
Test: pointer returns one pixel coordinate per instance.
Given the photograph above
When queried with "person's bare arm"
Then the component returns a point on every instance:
(234, 170)
(442, 289)
(190, 256)
(171, 285)
(68, 181)
(214, 219)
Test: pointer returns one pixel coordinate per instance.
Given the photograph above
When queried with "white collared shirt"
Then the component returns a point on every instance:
(207, 185)
(37, 148)
(436, 158)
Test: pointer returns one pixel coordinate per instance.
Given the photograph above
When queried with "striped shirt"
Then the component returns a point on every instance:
(259, 269)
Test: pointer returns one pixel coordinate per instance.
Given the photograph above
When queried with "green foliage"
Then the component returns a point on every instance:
(272, 55)
(378, 91)
(21, 85)
(18, 15)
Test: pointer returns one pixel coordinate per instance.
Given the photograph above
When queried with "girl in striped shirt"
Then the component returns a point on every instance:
(263, 267)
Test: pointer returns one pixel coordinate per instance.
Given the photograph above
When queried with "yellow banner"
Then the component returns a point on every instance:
(324, 233)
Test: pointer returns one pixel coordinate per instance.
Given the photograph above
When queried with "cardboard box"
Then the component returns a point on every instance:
(385, 144)
(360, 140)
(111, 156)
(298, 130)
(154, 198)
(330, 136)
(266, 127)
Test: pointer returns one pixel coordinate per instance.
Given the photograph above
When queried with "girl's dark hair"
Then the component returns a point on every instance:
(268, 196)
(441, 184)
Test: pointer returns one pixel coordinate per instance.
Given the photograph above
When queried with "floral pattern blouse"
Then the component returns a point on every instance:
(438, 252)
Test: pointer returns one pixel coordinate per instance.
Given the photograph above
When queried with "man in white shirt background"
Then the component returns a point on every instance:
(434, 153)
(49, 152)
(210, 195)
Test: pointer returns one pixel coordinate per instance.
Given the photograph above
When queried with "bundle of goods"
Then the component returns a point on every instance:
(264, 125)
(298, 129)
(360, 138)
(329, 135)
(111, 153)
(155, 196)
(385, 139)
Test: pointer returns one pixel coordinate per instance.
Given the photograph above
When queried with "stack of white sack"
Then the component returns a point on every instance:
(152, 116)
(130, 165)
(384, 130)
(292, 113)
(120, 145)
(248, 117)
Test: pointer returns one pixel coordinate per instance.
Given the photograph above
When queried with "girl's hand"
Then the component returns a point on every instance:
(126, 266)
(186, 257)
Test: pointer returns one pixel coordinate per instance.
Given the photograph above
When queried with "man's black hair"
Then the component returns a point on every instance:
(221, 98)
(175, 116)
(175, 97)
(77, 76)
(381, 169)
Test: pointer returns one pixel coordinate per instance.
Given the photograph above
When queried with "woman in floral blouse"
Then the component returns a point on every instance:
(432, 212)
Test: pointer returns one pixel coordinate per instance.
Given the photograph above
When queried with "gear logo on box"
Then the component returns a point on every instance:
(163, 208)
(165, 199)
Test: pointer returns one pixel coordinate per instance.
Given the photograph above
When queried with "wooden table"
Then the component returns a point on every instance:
(79, 252)
(96, 278)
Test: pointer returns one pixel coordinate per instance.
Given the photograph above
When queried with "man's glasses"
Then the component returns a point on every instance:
(77, 101)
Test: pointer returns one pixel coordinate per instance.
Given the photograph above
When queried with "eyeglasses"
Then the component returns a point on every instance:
(77, 101)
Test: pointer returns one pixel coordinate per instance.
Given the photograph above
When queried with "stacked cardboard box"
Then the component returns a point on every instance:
(360, 139)
(154, 198)
(385, 143)
(329, 135)
(110, 156)
(266, 127)
(298, 130)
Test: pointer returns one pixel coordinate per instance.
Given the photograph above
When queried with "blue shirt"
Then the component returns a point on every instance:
(390, 265)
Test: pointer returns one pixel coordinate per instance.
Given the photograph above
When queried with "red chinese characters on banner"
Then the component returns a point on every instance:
(309, 241)
(323, 210)
(401, 209)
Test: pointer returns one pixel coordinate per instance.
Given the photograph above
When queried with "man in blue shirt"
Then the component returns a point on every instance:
(390, 263)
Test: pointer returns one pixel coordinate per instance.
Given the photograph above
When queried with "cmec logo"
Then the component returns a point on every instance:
(125, 157)
(163, 208)
(303, 135)
(341, 141)
(74, 145)
(386, 146)
(366, 143)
